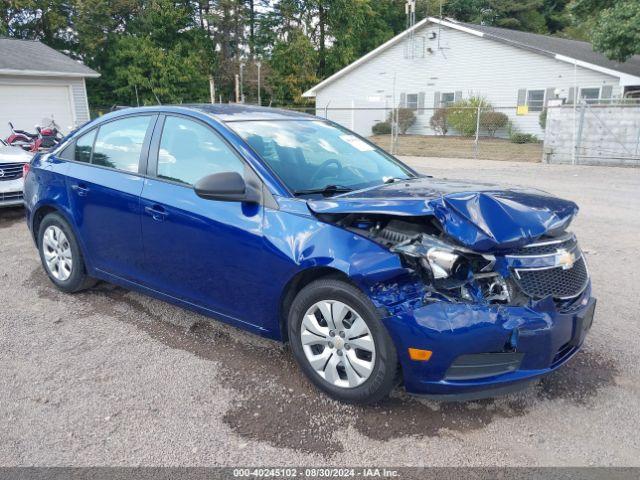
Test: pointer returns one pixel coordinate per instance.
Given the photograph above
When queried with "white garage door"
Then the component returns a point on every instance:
(26, 105)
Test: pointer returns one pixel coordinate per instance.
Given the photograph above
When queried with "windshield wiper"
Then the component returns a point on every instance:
(326, 190)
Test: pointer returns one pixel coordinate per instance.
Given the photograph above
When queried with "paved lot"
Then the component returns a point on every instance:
(110, 377)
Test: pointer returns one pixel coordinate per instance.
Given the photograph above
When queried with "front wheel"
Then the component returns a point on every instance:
(340, 343)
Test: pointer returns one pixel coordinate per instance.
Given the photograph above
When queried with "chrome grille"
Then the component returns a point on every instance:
(10, 196)
(10, 171)
(547, 246)
(557, 282)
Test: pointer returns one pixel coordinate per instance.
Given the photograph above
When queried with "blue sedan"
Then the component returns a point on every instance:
(299, 230)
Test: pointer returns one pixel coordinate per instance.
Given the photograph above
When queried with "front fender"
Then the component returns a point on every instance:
(309, 243)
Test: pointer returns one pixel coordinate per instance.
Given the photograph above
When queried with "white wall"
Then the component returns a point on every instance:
(593, 135)
(74, 90)
(464, 62)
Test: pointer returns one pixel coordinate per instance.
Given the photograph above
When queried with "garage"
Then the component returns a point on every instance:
(38, 82)
(36, 103)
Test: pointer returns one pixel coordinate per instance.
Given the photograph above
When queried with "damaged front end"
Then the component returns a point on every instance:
(494, 308)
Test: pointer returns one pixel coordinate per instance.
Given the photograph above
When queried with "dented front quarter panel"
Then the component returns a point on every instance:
(301, 242)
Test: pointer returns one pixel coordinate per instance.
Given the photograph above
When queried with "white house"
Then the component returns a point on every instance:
(39, 82)
(438, 61)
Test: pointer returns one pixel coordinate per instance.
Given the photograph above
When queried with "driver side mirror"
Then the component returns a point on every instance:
(227, 187)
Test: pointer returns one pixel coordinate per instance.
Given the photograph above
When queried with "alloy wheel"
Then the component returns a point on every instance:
(57, 253)
(338, 344)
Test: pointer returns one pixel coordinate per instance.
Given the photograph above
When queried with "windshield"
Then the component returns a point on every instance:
(310, 155)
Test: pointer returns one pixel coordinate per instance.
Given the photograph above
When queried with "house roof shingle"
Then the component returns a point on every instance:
(557, 46)
(24, 57)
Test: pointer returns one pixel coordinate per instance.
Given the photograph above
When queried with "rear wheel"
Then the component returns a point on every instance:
(340, 343)
(61, 256)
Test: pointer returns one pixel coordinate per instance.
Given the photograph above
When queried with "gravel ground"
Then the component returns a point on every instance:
(111, 377)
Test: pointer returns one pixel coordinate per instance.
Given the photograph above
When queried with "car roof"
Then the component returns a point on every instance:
(223, 112)
(233, 112)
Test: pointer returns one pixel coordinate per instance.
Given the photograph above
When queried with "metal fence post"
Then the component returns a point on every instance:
(476, 145)
(578, 140)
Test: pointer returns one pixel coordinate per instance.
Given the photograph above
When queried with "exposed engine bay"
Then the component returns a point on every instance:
(449, 271)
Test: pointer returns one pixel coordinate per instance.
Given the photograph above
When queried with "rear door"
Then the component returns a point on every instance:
(104, 185)
(205, 252)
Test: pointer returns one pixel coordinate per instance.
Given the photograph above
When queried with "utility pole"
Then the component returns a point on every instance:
(259, 65)
(237, 89)
(212, 89)
(242, 83)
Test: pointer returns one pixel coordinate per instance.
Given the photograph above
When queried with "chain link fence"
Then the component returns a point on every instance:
(603, 133)
(492, 133)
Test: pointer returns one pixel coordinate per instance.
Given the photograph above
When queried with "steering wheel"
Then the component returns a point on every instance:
(322, 168)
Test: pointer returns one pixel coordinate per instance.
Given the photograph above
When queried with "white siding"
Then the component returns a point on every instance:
(464, 62)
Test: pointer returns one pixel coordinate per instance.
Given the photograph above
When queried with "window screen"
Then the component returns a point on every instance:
(535, 100)
(448, 99)
(190, 150)
(590, 95)
(412, 101)
(119, 143)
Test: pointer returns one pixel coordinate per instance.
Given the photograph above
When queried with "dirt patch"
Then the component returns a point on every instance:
(276, 404)
(11, 216)
(462, 147)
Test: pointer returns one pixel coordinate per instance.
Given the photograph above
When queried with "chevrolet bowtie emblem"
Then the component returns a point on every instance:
(565, 259)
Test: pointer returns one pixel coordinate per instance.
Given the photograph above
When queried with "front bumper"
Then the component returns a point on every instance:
(534, 340)
(11, 192)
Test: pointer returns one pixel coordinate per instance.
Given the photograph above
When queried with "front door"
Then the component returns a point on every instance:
(104, 188)
(205, 252)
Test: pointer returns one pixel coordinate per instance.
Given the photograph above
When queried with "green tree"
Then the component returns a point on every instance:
(614, 26)
(293, 63)
(162, 57)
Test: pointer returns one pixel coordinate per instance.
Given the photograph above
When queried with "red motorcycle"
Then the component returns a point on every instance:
(45, 138)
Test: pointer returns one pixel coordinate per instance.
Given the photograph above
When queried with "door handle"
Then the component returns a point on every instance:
(157, 212)
(80, 189)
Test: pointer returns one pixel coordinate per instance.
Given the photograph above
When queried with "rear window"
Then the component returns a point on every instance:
(80, 150)
(119, 143)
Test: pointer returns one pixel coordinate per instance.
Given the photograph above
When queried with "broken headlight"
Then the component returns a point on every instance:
(443, 263)
(453, 271)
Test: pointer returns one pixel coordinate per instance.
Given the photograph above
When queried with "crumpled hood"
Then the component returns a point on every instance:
(480, 216)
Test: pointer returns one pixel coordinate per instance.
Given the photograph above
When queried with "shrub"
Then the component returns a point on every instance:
(381, 128)
(463, 115)
(438, 121)
(493, 121)
(542, 119)
(406, 118)
(518, 137)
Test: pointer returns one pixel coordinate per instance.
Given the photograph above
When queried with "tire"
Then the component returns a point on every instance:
(356, 375)
(70, 276)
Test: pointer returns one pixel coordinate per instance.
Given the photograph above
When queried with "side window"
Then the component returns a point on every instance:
(412, 101)
(190, 151)
(84, 145)
(119, 143)
(535, 100)
(448, 99)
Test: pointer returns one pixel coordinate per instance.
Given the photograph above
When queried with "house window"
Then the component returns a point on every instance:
(590, 95)
(447, 99)
(535, 100)
(412, 101)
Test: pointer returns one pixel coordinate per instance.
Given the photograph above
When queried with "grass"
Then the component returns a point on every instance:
(462, 147)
